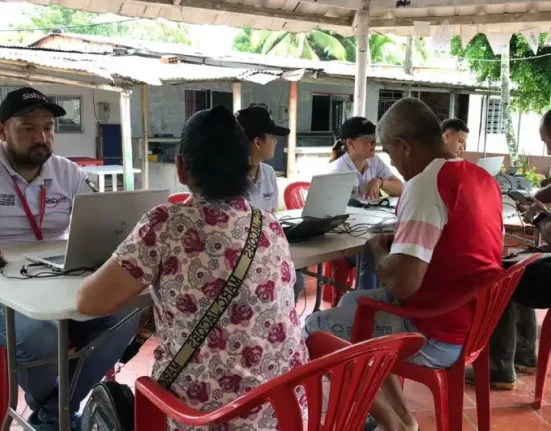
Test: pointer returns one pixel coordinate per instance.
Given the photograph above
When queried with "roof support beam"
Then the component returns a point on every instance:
(45, 79)
(219, 6)
(416, 4)
(489, 19)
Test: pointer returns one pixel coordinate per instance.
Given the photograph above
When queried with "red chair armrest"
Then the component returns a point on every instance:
(169, 404)
(322, 343)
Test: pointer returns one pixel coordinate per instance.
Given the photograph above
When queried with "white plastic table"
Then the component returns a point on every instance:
(41, 299)
(102, 171)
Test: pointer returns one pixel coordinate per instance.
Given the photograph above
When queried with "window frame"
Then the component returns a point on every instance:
(495, 124)
(54, 98)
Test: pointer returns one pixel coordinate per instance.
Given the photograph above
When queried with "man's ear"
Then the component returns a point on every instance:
(406, 147)
(3, 127)
(183, 176)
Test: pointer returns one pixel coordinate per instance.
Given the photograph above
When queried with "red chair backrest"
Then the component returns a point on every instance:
(356, 374)
(178, 198)
(490, 302)
(295, 195)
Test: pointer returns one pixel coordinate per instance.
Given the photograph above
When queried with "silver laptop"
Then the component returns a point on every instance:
(329, 195)
(99, 223)
(491, 164)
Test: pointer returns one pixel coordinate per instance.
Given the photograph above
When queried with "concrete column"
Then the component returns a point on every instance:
(292, 140)
(362, 46)
(126, 132)
(452, 105)
(145, 139)
(236, 96)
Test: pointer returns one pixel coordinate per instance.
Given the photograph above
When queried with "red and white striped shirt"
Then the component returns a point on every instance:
(450, 216)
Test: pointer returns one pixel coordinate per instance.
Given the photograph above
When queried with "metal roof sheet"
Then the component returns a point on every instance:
(255, 68)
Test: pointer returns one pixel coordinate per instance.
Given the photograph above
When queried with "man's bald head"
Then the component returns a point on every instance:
(411, 120)
(411, 135)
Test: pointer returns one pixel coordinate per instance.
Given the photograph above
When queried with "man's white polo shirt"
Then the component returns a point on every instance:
(264, 194)
(375, 168)
(62, 179)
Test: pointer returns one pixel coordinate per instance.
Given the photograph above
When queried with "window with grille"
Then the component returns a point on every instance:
(387, 98)
(494, 118)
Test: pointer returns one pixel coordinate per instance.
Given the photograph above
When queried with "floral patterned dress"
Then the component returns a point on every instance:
(186, 252)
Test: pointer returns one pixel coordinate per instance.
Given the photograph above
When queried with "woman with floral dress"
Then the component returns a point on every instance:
(185, 253)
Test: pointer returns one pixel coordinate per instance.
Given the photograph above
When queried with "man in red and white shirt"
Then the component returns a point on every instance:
(448, 239)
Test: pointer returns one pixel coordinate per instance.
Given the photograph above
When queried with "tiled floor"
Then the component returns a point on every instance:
(510, 410)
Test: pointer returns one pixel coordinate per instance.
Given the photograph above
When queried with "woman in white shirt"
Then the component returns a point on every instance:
(354, 151)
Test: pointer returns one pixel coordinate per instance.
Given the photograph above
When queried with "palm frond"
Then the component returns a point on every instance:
(325, 42)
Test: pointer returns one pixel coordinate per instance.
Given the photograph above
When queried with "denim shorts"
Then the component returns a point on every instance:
(339, 321)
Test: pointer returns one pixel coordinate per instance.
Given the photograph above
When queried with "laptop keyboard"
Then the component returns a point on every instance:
(58, 260)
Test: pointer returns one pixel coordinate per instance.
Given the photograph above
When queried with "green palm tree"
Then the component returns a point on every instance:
(313, 45)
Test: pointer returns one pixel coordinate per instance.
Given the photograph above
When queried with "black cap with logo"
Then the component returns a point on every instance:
(356, 126)
(24, 100)
(256, 121)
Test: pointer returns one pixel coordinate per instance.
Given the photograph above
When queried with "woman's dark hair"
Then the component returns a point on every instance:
(215, 152)
(351, 129)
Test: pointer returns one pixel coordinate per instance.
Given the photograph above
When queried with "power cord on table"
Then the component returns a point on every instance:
(46, 273)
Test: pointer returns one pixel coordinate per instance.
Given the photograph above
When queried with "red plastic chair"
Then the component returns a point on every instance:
(543, 361)
(357, 373)
(447, 386)
(178, 198)
(295, 195)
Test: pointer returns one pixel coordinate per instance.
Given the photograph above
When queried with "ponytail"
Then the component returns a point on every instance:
(339, 148)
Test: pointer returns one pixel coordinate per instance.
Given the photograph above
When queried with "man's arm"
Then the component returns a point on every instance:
(544, 194)
(401, 274)
(544, 225)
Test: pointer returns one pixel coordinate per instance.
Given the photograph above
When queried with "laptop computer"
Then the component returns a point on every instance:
(99, 223)
(491, 164)
(324, 209)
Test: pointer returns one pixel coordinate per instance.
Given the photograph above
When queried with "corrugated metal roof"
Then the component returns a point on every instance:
(255, 68)
(338, 15)
(132, 68)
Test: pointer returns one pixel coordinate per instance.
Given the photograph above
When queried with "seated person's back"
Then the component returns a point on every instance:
(187, 252)
(461, 235)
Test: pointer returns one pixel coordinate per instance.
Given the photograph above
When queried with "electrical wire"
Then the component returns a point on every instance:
(46, 273)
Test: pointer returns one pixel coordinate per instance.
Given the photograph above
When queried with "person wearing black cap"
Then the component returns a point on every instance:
(262, 133)
(36, 196)
(354, 151)
(263, 191)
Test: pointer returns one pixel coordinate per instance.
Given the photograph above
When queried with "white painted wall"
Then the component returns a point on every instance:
(78, 144)
(529, 142)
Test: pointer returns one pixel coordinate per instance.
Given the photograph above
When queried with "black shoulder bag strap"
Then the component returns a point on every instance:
(218, 307)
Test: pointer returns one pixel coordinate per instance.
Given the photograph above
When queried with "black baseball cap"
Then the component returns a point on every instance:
(356, 126)
(24, 100)
(256, 121)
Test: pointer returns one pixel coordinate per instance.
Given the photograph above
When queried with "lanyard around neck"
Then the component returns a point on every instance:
(36, 227)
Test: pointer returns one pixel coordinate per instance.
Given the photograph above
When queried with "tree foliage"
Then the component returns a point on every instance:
(315, 45)
(52, 17)
(531, 79)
